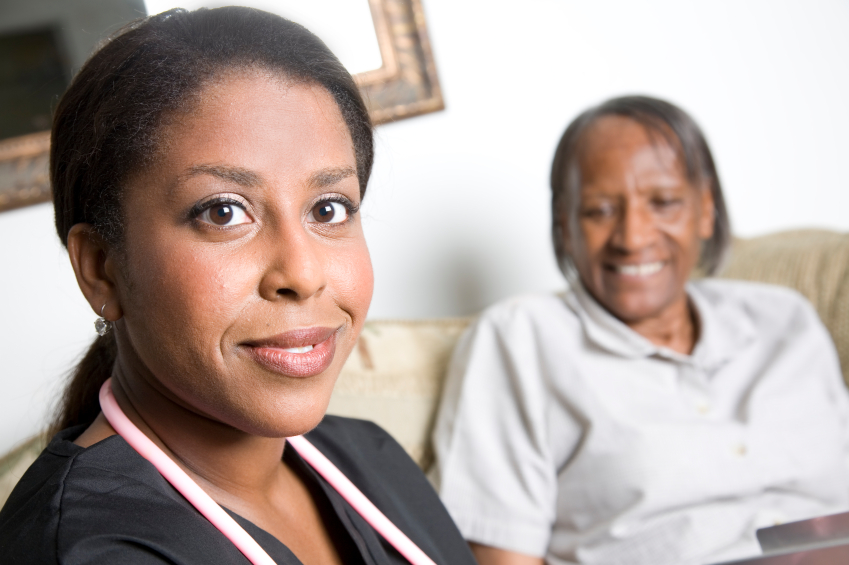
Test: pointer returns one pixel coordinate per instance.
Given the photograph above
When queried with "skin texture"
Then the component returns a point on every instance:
(639, 209)
(193, 300)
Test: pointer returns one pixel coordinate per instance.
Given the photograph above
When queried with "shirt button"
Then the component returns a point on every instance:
(703, 408)
(740, 449)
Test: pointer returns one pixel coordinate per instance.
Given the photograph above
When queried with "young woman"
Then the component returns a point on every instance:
(207, 169)
(640, 417)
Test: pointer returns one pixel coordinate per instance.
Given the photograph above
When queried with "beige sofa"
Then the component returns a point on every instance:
(394, 376)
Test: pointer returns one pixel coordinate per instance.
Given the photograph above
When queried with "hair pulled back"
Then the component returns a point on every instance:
(657, 116)
(108, 125)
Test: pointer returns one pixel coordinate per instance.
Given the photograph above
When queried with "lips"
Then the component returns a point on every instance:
(298, 353)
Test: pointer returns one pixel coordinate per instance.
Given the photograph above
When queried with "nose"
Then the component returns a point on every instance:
(635, 228)
(295, 267)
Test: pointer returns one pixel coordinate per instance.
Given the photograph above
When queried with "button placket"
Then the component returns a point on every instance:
(695, 386)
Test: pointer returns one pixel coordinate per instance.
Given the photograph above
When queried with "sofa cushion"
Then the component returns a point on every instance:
(394, 378)
(16, 462)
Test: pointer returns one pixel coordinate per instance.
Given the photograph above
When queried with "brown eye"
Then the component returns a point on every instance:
(598, 212)
(224, 214)
(666, 202)
(329, 213)
(221, 214)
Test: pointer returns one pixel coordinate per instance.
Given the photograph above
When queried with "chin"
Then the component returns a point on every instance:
(632, 311)
(293, 425)
(291, 414)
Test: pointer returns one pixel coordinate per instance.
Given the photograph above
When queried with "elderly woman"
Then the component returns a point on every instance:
(640, 417)
(207, 169)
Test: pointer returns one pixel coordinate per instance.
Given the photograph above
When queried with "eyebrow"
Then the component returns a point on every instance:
(249, 179)
(328, 177)
(236, 175)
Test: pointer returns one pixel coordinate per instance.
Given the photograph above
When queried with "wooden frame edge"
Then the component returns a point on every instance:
(413, 88)
(24, 172)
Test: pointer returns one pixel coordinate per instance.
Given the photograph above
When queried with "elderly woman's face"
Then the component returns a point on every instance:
(640, 220)
(246, 278)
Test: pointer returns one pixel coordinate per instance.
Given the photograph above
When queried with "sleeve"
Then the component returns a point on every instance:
(823, 360)
(495, 466)
(826, 355)
(803, 398)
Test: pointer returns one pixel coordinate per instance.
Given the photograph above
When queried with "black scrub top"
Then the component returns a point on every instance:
(107, 504)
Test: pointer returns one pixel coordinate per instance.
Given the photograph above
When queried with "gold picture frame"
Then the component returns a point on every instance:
(406, 85)
(24, 176)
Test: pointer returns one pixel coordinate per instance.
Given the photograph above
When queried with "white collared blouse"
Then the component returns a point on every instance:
(563, 433)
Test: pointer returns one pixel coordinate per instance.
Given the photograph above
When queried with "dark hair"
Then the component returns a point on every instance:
(657, 116)
(108, 124)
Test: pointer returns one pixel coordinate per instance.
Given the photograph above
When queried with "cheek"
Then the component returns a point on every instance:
(187, 287)
(594, 238)
(685, 231)
(352, 278)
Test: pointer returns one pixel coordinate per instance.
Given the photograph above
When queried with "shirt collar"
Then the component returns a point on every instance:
(723, 329)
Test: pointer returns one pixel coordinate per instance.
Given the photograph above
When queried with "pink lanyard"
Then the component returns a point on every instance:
(227, 525)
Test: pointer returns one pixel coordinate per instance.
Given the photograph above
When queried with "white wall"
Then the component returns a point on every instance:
(457, 215)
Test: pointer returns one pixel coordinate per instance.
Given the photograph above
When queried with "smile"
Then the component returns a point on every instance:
(640, 270)
(303, 349)
(298, 353)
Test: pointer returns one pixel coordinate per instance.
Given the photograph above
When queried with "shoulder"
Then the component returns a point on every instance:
(383, 471)
(501, 359)
(348, 437)
(104, 502)
(364, 451)
(525, 306)
(749, 291)
(524, 318)
(29, 520)
(767, 306)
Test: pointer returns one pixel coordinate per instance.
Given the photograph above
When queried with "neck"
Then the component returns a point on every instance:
(234, 467)
(674, 328)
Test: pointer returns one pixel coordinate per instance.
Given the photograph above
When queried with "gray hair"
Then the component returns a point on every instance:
(659, 117)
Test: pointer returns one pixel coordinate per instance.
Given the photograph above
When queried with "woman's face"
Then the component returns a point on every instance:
(245, 276)
(641, 222)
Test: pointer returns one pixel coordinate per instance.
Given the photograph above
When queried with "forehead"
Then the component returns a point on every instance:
(250, 96)
(259, 122)
(618, 145)
(277, 134)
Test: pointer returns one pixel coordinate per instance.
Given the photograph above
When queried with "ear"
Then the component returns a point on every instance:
(94, 266)
(707, 213)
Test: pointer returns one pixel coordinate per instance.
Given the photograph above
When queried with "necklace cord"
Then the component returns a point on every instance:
(178, 478)
(213, 512)
(359, 501)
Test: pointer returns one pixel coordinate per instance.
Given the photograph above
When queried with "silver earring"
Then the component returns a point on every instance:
(101, 325)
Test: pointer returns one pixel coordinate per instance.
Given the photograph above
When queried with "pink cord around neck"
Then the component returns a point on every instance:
(223, 521)
(358, 500)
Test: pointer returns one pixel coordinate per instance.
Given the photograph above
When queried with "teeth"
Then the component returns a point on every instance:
(303, 349)
(642, 270)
